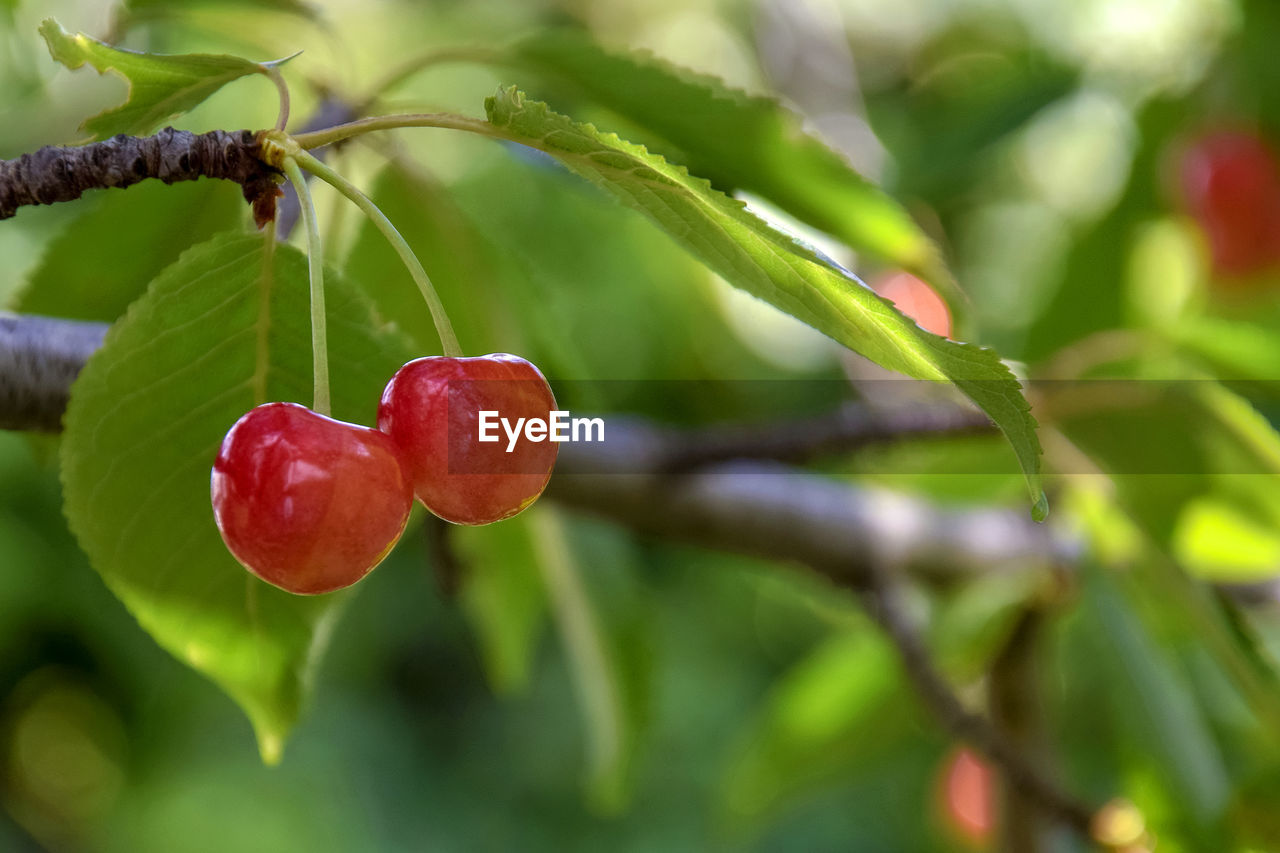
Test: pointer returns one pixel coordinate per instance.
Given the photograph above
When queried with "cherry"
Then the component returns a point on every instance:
(305, 502)
(1231, 182)
(431, 408)
(917, 300)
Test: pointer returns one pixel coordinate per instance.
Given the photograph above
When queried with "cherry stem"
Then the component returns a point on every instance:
(448, 340)
(338, 133)
(315, 269)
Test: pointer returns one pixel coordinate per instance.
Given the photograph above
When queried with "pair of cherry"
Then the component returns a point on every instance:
(311, 504)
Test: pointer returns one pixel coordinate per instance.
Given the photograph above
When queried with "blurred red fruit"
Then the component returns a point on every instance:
(918, 301)
(967, 793)
(1231, 182)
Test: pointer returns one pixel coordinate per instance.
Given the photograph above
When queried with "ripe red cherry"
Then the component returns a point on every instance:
(305, 502)
(431, 408)
(1231, 182)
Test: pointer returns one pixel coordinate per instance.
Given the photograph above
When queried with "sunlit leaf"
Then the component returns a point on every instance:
(1217, 542)
(738, 141)
(146, 418)
(1154, 702)
(504, 598)
(773, 266)
(824, 714)
(160, 86)
(591, 663)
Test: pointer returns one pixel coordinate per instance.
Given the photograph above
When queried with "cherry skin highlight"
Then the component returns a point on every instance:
(431, 409)
(305, 502)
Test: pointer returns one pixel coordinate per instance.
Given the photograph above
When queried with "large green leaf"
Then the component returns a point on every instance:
(608, 727)
(774, 266)
(160, 87)
(1154, 703)
(834, 710)
(103, 260)
(144, 423)
(738, 141)
(504, 598)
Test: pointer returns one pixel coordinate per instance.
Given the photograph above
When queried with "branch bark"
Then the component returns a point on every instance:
(55, 174)
(1013, 697)
(1017, 768)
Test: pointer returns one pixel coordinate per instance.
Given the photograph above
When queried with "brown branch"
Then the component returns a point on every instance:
(54, 174)
(1017, 768)
(39, 359)
(1013, 696)
(774, 511)
(850, 427)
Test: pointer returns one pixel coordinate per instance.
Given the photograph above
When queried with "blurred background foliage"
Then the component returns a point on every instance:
(644, 696)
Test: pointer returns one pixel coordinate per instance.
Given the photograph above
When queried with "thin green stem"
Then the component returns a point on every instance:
(282, 118)
(338, 133)
(448, 340)
(315, 267)
(427, 60)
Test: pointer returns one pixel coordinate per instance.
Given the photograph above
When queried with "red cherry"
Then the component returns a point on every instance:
(305, 502)
(1231, 182)
(917, 300)
(431, 408)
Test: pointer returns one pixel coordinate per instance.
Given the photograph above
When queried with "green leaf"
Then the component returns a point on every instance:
(156, 7)
(103, 260)
(592, 666)
(146, 418)
(160, 86)
(773, 266)
(1154, 701)
(1220, 447)
(832, 711)
(738, 141)
(503, 598)
(1235, 350)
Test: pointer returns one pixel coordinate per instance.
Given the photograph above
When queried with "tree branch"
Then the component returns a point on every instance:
(1013, 697)
(774, 511)
(1016, 767)
(54, 174)
(39, 359)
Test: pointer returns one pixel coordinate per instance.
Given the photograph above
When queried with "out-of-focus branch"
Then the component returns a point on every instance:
(851, 427)
(1013, 697)
(39, 359)
(1017, 767)
(775, 511)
